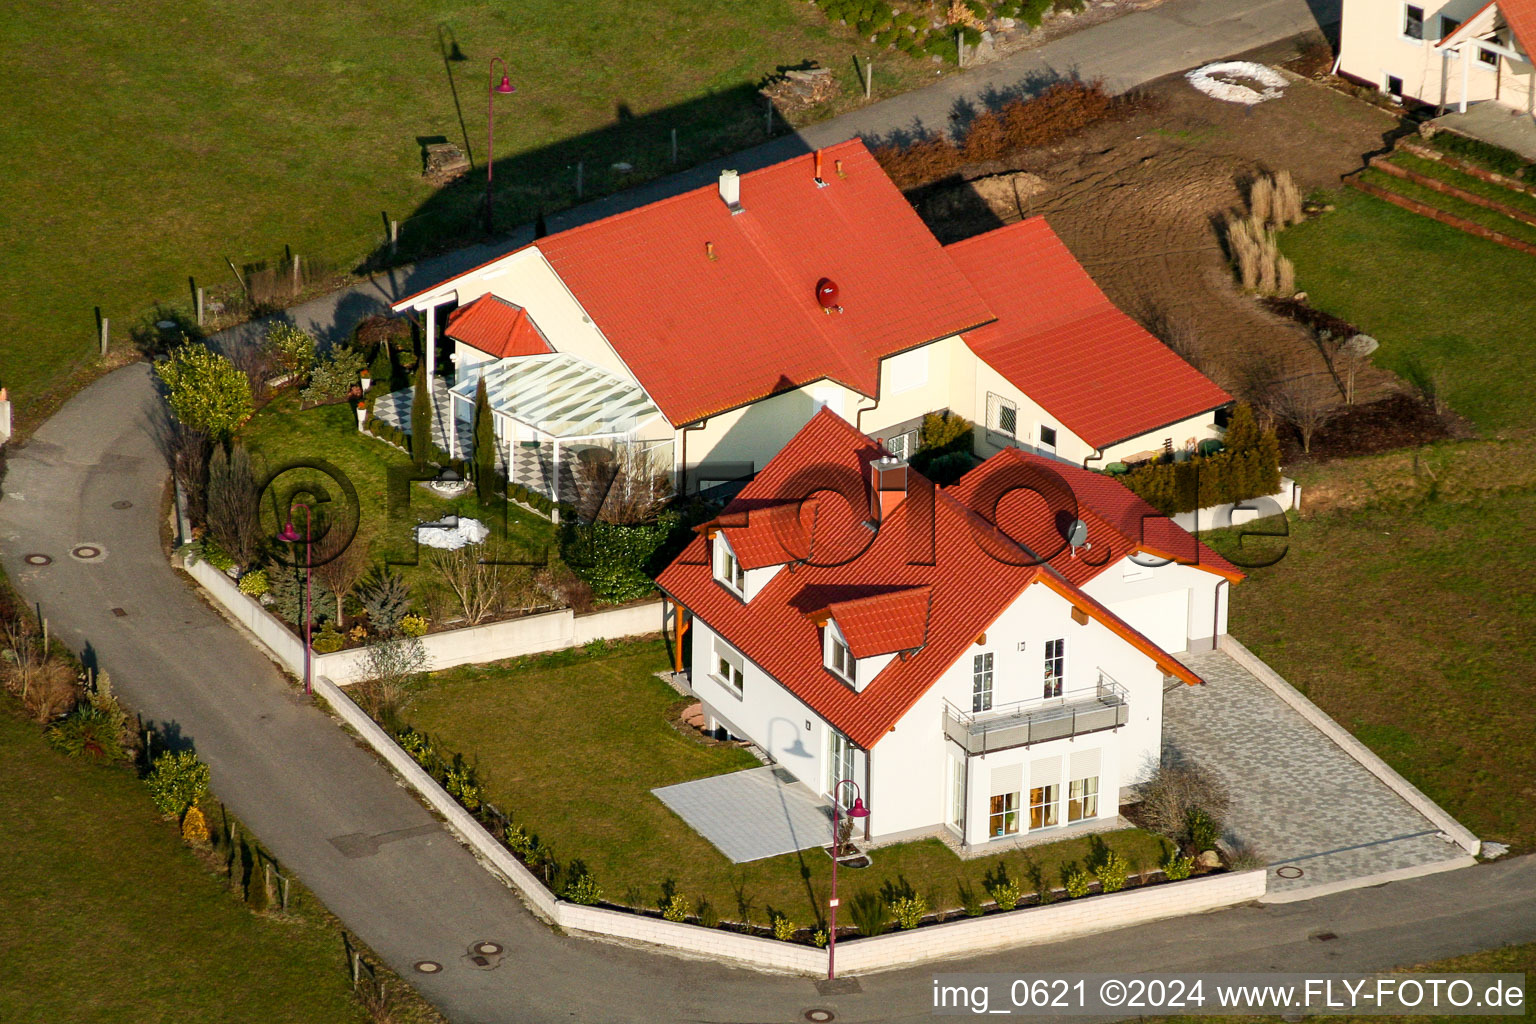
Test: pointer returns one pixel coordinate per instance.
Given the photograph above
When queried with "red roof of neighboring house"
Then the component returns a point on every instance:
(1519, 15)
(854, 571)
(494, 325)
(1061, 341)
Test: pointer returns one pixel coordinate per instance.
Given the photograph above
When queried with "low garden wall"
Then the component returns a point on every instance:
(959, 937)
(1218, 517)
(473, 645)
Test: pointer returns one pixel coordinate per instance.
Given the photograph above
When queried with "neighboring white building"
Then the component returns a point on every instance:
(1446, 55)
(711, 326)
(987, 659)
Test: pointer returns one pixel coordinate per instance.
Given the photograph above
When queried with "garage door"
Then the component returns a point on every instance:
(1162, 618)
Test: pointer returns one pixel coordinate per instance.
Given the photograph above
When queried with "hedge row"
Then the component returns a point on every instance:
(1248, 468)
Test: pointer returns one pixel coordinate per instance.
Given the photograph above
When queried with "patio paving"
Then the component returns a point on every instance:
(752, 814)
(1297, 797)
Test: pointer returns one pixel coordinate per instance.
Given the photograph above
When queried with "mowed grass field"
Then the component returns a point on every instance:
(1405, 609)
(109, 918)
(1461, 307)
(146, 142)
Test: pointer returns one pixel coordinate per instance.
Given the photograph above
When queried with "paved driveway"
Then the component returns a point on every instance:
(749, 815)
(1310, 808)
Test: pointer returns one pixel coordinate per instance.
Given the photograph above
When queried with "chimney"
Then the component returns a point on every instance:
(730, 190)
(888, 486)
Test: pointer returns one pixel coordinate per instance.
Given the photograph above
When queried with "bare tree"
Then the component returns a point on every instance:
(341, 561)
(1176, 786)
(622, 484)
(476, 583)
(234, 504)
(1305, 406)
(395, 664)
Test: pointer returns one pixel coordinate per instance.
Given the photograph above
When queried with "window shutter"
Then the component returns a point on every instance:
(1085, 764)
(1007, 779)
(1045, 772)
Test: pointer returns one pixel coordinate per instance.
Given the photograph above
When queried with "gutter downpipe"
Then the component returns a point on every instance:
(1216, 611)
(1097, 456)
(682, 463)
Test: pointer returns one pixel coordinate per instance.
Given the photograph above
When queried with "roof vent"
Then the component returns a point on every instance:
(730, 190)
(826, 295)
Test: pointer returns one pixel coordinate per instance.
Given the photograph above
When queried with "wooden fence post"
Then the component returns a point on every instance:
(199, 307)
(297, 273)
(106, 336)
(394, 238)
(869, 76)
(959, 49)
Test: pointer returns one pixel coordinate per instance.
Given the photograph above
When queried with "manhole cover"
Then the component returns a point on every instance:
(820, 1015)
(122, 505)
(1289, 871)
(86, 552)
(428, 966)
(38, 560)
(487, 948)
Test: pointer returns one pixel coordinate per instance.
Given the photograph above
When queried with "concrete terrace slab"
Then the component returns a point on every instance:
(1303, 802)
(752, 814)
(1496, 123)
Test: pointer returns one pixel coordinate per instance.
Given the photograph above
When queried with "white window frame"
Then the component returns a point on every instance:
(981, 682)
(728, 571)
(1083, 797)
(996, 406)
(1048, 446)
(1402, 23)
(1059, 660)
(1491, 65)
(902, 445)
(1446, 32)
(957, 793)
(835, 651)
(840, 763)
(1003, 809)
(729, 668)
(1048, 805)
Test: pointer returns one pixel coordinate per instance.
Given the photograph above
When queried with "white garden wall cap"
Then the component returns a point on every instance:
(1223, 81)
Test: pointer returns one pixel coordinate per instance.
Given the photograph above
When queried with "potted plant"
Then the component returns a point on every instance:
(365, 380)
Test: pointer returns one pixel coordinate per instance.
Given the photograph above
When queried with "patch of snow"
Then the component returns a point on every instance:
(454, 536)
(1217, 81)
(1493, 851)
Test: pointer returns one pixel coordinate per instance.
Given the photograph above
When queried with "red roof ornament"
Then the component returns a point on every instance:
(826, 294)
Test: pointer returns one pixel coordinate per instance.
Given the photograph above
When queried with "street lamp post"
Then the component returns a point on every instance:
(492, 88)
(855, 812)
(291, 536)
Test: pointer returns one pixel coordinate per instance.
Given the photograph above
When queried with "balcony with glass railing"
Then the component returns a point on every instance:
(1023, 723)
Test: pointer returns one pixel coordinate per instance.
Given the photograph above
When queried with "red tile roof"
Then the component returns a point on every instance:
(494, 325)
(972, 574)
(1061, 341)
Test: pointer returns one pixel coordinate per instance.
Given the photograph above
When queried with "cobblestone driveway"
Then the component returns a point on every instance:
(1298, 798)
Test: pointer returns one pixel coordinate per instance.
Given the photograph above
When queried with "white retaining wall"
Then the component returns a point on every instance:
(1351, 746)
(1219, 517)
(473, 645)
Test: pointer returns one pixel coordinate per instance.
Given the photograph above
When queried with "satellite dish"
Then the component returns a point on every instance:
(1077, 534)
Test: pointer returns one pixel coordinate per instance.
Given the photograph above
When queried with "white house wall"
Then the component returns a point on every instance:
(1373, 46)
(765, 712)
(527, 279)
(1172, 604)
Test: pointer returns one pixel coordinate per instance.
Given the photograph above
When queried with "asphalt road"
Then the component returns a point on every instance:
(331, 814)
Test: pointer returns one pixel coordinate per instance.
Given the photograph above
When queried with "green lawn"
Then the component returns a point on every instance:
(1410, 623)
(281, 435)
(147, 142)
(572, 744)
(109, 917)
(1522, 201)
(1460, 306)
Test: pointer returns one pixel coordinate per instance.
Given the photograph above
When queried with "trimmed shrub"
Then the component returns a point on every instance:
(194, 827)
(177, 781)
(583, 889)
(615, 559)
(414, 625)
(1003, 889)
(783, 928)
(1202, 829)
(1177, 867)
(206, 391)
(1111, 869)
(89, 730)
(328, 641)
(909, 911)
(675, 907)
(255, 583)
(1075, 881)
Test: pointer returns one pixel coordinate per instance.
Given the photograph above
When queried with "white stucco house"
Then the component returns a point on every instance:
(1448, 55)
(986, 660)
(710, 326)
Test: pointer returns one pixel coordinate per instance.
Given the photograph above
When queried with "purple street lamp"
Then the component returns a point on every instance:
(291, 536)
(492, 88)
(857, 811)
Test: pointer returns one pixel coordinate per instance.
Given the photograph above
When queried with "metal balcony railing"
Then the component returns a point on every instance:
(1075, 712)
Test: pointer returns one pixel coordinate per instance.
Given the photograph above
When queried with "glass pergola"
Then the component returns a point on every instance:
(559, 398)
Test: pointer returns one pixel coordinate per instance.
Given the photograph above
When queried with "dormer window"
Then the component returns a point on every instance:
(839, 658)
(728, 570)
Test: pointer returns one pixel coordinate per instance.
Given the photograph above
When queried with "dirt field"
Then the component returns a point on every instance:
(1137, 201)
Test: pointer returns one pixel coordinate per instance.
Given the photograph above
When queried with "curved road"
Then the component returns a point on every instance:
(93, 476)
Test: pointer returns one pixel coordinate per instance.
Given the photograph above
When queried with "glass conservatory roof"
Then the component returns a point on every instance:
(562, 396)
